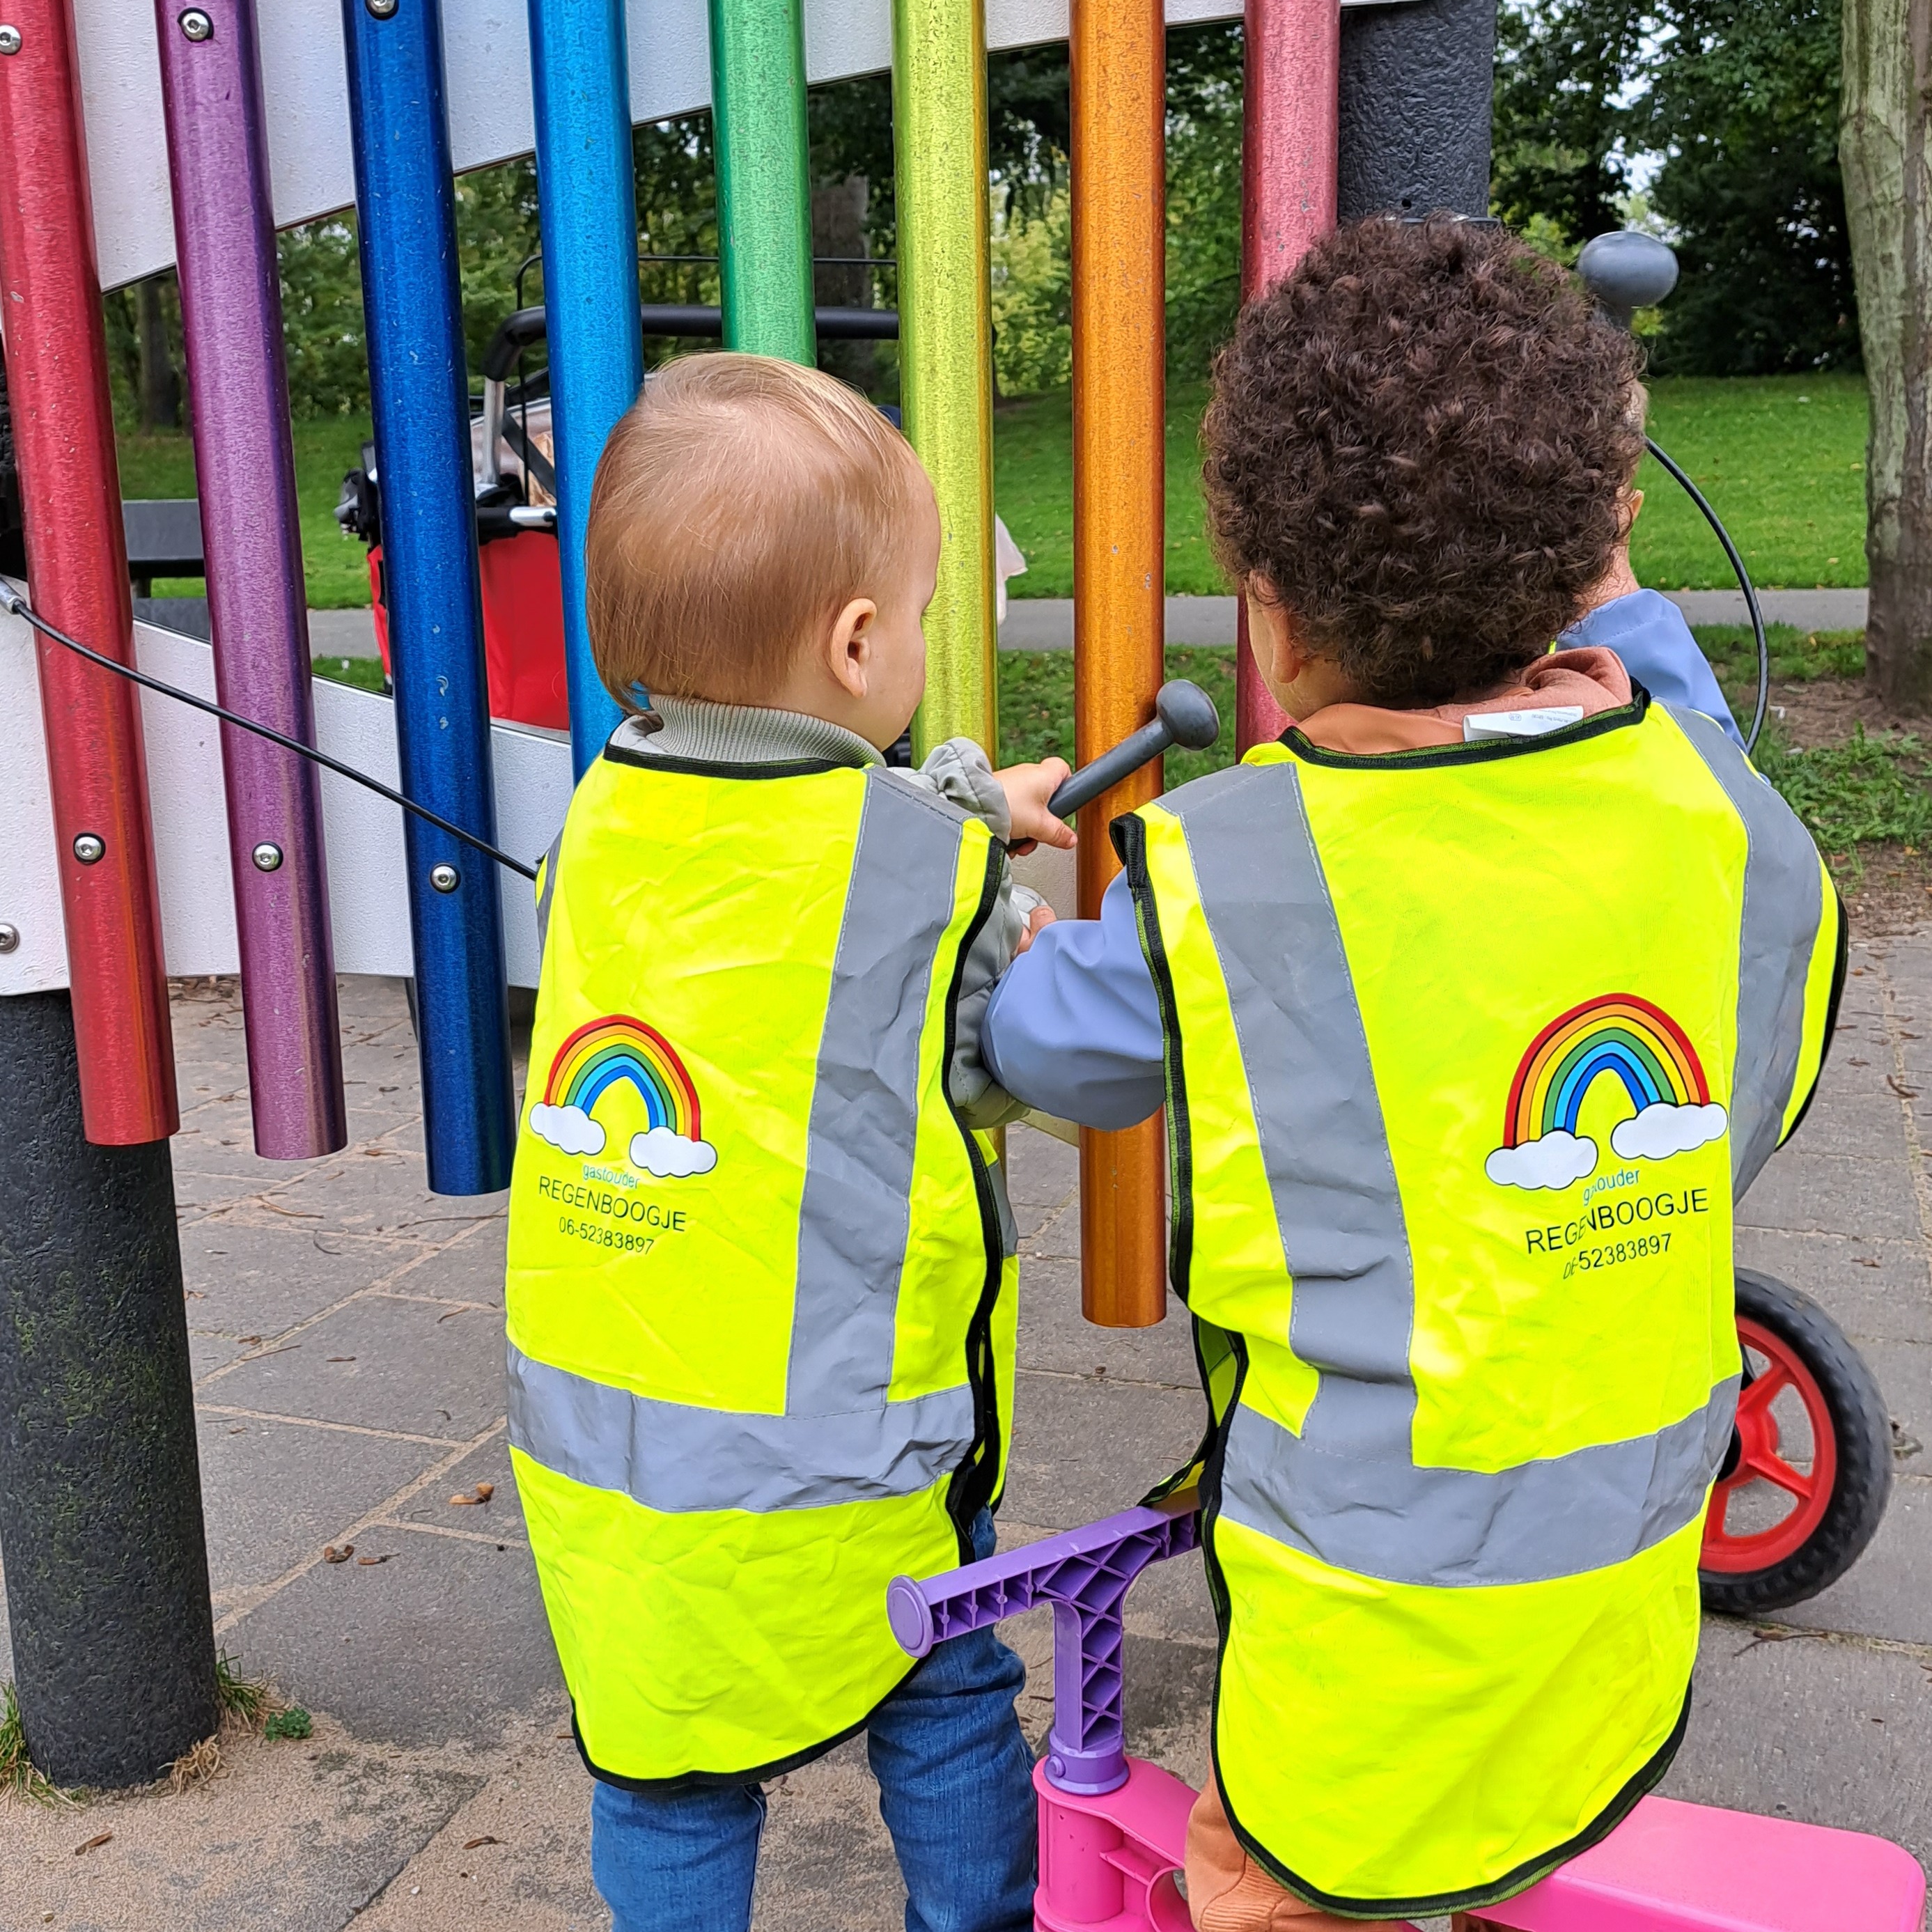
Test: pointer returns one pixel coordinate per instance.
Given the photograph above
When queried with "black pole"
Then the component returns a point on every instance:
(101, 1524)
(1416, 84)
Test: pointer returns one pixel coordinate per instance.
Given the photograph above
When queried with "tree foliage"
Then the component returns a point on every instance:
(1725, 113)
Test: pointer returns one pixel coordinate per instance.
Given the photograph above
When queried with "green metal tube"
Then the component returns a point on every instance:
(764, 176)
(946, 341)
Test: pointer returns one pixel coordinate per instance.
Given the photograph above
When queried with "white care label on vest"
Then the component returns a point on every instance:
(1629, 1211)
(600, 1204)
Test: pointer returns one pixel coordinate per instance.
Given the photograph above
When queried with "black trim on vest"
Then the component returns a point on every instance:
(1645, 1780)
(712, 1780)
(1483, 751)
(975, 1483)
(1830, 1015)
(721, 768)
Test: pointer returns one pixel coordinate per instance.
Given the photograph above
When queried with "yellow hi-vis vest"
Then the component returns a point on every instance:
(1469, 1051)
(760, 1310)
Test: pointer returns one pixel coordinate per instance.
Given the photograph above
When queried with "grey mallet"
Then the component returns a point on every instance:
(1183, 715)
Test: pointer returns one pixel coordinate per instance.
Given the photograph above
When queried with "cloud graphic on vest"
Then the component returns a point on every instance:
(670, 1155)
(1636, 1044)
(1662, 1130)
(1556, 1160)
(569, 1129)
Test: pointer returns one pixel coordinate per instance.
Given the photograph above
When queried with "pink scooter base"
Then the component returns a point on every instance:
(1107, 1863)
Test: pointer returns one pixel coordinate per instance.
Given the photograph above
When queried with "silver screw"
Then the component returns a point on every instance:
(10, 39)
(445, 878)
(197, 26)
(268, 857)
(382, 9)
(90, 848)
(10, 937)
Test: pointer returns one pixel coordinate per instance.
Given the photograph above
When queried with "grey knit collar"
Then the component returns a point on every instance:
(739, 734)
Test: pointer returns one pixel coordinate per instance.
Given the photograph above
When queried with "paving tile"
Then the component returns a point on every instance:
(376, 1190)
(501, 1515)
(245, 1277)
(825, 1860)
(275, 1493)
(445, 1641)
(1041, 1171)
(1058, 1238)
(1787, 1728)
(1083, 1449)
(1891, 1301)
(1904, 1373)
(1888, 1592)
(469, 1268)
(1830, 1193)
(1860, 1122)
(383, 1363)
(1054, 1333)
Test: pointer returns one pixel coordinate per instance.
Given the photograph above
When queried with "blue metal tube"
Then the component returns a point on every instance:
(587, 202)
(418, 384)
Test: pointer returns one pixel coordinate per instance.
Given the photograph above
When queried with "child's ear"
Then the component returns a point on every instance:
(849, 648)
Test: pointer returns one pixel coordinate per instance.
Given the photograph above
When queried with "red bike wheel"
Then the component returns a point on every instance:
(1771, 1460)
(1804, 1487)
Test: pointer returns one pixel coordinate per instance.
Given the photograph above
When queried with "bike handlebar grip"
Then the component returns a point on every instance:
(1184, 715)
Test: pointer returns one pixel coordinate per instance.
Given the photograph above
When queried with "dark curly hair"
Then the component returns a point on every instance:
(1417, 444)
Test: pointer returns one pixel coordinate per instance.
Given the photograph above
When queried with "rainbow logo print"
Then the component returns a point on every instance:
(602, 1054)
(1640, 1046)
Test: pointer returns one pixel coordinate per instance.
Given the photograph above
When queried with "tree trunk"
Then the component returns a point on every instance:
(1883, 146)
(838, 229)
(160, 382)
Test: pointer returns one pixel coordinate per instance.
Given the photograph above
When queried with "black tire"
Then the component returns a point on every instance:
(1861, 1431)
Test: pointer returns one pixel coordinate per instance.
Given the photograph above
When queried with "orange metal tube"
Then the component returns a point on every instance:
(1118, 49)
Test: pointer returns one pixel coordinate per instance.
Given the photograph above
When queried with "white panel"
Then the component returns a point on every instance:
(368, 908)
(486, 53)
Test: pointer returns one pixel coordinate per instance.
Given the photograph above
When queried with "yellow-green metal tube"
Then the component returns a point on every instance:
(946, 340)
(764, 191)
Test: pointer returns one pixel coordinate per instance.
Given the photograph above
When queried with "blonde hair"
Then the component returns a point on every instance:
(740, 504)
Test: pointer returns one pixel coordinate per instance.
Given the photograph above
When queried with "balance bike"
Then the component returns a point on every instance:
(1113, 1828)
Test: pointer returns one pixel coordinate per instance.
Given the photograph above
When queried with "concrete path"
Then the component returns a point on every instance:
(347, 1337)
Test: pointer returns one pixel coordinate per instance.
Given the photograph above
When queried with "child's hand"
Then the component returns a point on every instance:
(1038, 920)
(1027, 788)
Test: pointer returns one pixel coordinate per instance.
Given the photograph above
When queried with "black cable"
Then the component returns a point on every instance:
(1697, 497)
(16, 605)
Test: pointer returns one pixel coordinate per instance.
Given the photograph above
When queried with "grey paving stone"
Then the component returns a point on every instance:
(1904, 1373)
(1888, 1592)
(1800, 1191)
(445, 1641)
(1787, 1728)
(1041, 1171)
(1891, 1301)
(413, 1367)
(469, 1268)
(825, 1860)
(258, 1276)
(1082, 1450)
(377, 1189)
(1054, 1333)
(1057, 1237)
(501, 1515)
(275, 1493)
(208, 1351)
(1860, 1122)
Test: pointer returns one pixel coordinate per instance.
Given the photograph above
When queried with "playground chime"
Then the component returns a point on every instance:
(231, 311)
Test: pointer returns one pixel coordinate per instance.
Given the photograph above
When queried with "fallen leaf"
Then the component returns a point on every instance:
(332, 1555)
(249, 1341)
(293, 1213)
(370, 1562)
(1867, 1261)
(486, 1490)
(481, 1493)
(342, 1358)
(93, 1843)
(1861, 1062)
(485, 1840)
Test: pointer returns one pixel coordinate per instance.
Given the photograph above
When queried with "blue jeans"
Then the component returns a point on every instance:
(955, 1790)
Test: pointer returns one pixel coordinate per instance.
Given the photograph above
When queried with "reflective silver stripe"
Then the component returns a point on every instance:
(547, 891)
(1451, 1529)
(856, 1206)
(1784, 902)
(1323, 1144)
(673, 1459)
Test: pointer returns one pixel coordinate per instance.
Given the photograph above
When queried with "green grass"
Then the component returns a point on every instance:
(1037, 706)
(162, 464)
(1781, 458)
(364, 674)
(18, 1774)
(1870, 788)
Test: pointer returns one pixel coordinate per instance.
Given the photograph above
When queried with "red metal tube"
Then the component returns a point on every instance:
(1288, 198)
(77, 570)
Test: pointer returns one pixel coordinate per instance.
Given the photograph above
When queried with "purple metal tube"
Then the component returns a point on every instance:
(244, 464)
(1084, 1574)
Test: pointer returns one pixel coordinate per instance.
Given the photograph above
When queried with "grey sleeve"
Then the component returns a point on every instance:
(960, 772)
